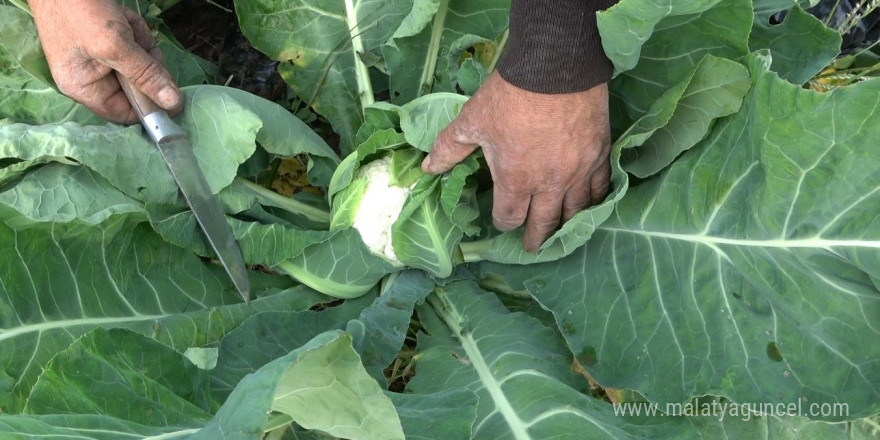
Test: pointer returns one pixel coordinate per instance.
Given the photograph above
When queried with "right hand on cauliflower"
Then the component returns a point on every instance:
(86, 40)
(548, 153)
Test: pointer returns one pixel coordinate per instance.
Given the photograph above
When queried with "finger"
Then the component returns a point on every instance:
(142, 35)
(104, 97)
(509, 209)
(452, 146)
(544, 214)
(576, 199)
(600, 184)
(147, 74)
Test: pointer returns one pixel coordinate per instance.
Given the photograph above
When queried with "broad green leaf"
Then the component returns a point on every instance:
(377, 117)
(458, 195)
(423, 55)
(422, 119)
(317, 46)
(380, 329)
(186, 68)
(471, 76)
(63, 193)
(518, 368)
(346, 203)
(801, 46)
(683, 115)
(757, 253)
(321, 385)
(61, 281)
(267, 336)
(26, 91)
(655, 45)
(122, 374)
(423, 416)
(281, 133)
(405, 166)
(221, 130)
(223, 125)
(520, 371)
(122, 155)
(423, 236)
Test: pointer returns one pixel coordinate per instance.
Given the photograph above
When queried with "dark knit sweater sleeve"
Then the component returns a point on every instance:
(554, 46)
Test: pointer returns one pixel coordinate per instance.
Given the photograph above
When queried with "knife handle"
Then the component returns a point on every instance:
(156, 122)
(140, 102)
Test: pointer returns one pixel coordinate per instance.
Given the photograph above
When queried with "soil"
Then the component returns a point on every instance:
(210, 30)
(200, 26)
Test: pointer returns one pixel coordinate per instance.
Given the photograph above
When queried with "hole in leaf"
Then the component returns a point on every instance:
(773, 352)
(736, 295)
(777, 18)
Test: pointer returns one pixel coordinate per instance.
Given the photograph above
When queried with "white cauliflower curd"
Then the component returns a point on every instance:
(379, 208)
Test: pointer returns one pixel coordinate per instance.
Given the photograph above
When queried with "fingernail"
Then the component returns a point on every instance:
(426, 164)
(168, 97)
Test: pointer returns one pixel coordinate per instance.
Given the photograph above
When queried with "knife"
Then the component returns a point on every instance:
(175, 147)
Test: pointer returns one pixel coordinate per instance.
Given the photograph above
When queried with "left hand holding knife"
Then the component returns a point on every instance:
(87, 41)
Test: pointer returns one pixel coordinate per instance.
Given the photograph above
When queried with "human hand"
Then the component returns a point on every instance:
(85, 41)
(548, 153)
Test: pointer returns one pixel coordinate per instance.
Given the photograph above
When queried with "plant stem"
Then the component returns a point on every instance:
(288, 203)
(176, 434)
(496, 283)
(427, 81)
(225, 9)
(22, 4)
(499, 50)
(387, 282)
(473, 251)
(365, 86)
(831, 14)
(276, 421)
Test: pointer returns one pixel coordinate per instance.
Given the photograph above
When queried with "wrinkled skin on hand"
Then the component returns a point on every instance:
(86, 40)
(548, 154)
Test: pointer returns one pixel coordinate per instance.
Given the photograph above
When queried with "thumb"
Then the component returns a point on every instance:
(451, 147)
(150, 77)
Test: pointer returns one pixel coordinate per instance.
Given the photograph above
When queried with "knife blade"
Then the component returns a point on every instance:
(175, 147)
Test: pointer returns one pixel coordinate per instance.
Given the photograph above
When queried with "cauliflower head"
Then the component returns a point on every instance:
(379, 208)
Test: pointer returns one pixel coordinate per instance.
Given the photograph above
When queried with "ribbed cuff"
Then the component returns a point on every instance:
(554, 46)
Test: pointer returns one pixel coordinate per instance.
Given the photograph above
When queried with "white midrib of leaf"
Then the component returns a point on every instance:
(51, 325)
(433, 51)
(779, 243)
(444, 263)
(365, 86)
(173, 435)
(453, 319)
